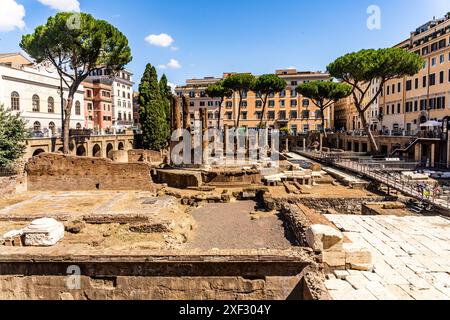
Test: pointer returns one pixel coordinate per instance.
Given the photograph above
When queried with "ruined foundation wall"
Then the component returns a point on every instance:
(255, 277)
(338, 205)
(56, 172)
(139, 155)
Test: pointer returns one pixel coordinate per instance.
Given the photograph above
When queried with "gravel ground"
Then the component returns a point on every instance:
(230, 226)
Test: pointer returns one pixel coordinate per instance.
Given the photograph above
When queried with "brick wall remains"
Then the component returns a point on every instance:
(56, 172)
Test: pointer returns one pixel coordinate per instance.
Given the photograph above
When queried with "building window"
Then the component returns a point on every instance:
(229, 115)
(15, 101)
(258, 104)
(244, 104)
(271, 115)
(271, 103)
(282, 103)
(283, 94)
(78, 126)
(433, 62)
(293, 93)
(244, 115)
(282, 115)
(293, 114)
(52, 127)
(202, 103)
(305, 114)
(89, 106)
(229, 104)
(77, 108)
(36, 103)
(36, 126)
(258, 115)
(293, 103)
(432, 79)
(424, 82)
(442, 59)
(441, 77)
(51, 105)
(210, 103)
(408, 85)
(305, 102)
(399, 87)
(416, 83)
(119, 116)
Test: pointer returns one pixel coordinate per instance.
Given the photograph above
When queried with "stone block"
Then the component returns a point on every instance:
(357, 258)
(324, 238)
(334, 259)
(43, 232)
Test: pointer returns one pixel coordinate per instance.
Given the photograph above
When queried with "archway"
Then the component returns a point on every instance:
(121, 146)
(81, 151)
(38, 152)
(97, 151)
(109, 150)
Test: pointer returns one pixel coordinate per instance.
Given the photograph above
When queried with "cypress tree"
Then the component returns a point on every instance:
(155, 129)
(166, 93)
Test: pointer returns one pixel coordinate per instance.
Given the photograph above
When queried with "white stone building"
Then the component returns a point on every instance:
(34, 92)
(122, 96)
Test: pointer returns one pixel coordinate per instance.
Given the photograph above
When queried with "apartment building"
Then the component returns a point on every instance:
(98, 105)
(122, 95)
(411, 101)
(33, 91)
(287, 109)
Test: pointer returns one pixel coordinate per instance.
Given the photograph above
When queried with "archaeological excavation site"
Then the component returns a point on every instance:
(137, 227)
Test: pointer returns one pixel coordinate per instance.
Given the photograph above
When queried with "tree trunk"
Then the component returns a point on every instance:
(67, 114)
(372, 142)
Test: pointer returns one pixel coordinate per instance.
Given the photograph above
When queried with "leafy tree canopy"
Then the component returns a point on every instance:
(324, 91)
(218, 90)
(239, 82)
(12, 136)
(384, 64)
(79, 42)
(268, 84)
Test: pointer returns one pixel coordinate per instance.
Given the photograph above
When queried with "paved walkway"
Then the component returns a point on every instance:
(411, 258)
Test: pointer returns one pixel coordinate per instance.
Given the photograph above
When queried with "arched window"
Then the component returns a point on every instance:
(36, 103)
(15, 101)
(37, 126)
(52, 127)
(51, 105)
(78, 126)
(77, 108)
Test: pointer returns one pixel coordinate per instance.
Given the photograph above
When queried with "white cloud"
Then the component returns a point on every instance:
(161, 40)
(291, 68)
(174, 48)
(11, 16)
(62, 5)
(173, 64)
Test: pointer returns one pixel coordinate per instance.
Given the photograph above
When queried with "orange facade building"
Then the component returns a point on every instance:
(287, 109)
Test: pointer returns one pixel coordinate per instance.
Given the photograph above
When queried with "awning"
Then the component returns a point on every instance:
(431, 124)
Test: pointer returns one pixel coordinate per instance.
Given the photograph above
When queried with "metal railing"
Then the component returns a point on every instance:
(387, 173)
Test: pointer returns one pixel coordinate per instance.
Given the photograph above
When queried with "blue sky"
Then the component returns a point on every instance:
(258, 36)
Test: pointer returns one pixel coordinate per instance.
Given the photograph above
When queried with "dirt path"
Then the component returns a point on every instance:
(230, 226)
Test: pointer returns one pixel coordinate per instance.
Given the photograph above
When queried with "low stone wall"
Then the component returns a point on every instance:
(338, 205)
(139, 155)
(180, 179)
(56, 172)
(249, 177)
(219, 275)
